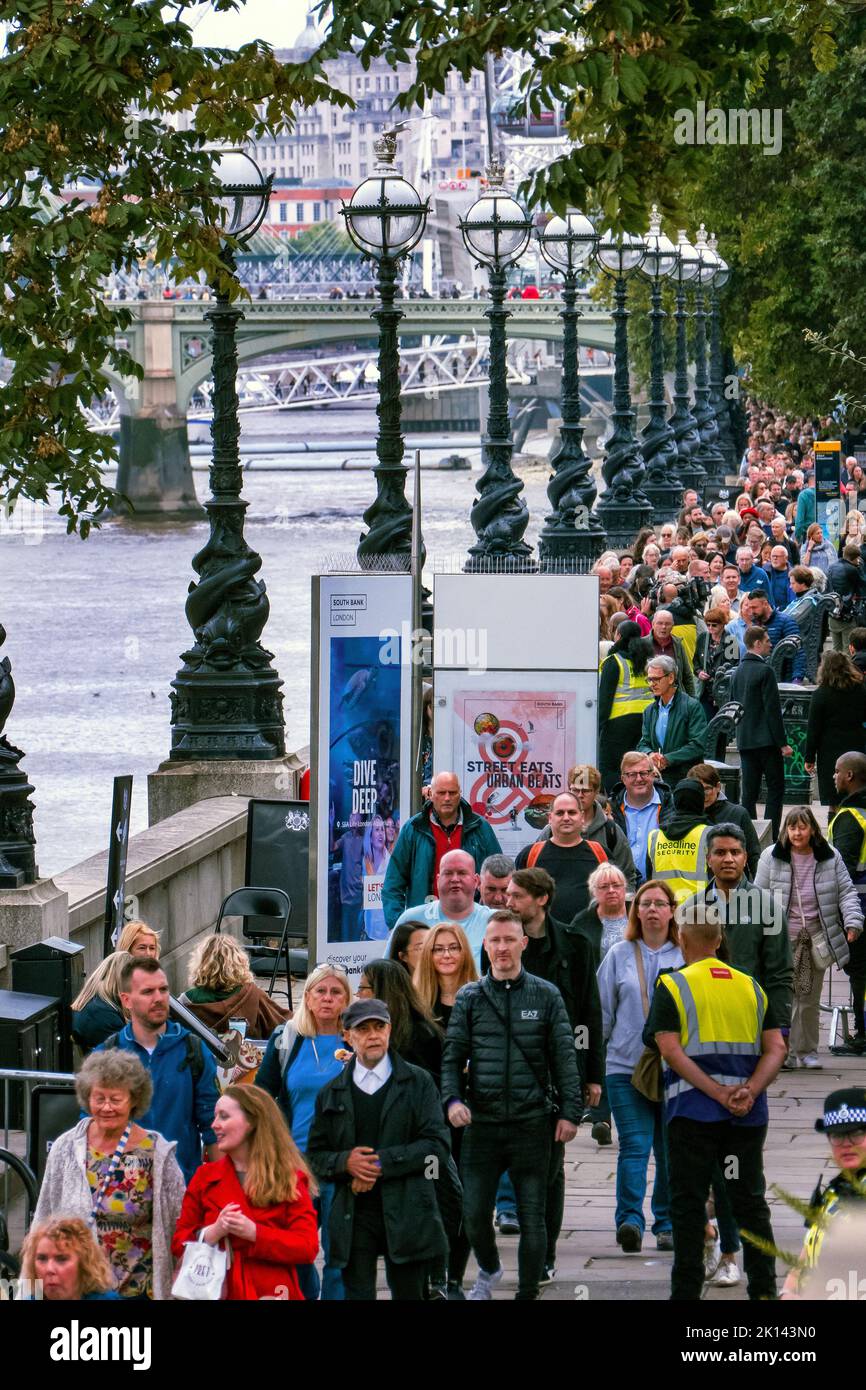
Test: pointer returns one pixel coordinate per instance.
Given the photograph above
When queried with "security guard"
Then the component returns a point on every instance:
(847, 833)
(844, 1123)
(623, 695)
(721, 1047)
(677, 851)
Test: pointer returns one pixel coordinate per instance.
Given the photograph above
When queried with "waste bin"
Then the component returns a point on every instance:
(53, 966)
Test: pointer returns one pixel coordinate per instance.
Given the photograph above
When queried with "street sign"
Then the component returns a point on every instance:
(117, 847)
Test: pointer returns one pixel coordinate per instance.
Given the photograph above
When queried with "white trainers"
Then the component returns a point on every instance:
(712, 1256)
(811, 1063)
(483, 1287)
(791, 1062)
(727, 1275)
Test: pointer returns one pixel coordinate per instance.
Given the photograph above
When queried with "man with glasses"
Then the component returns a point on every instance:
(637, 803)
(674, 724)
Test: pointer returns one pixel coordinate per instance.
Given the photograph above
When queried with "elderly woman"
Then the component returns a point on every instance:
(64, 1255)
(139, 940)
(97, 1011)
(122, 1178)
(808, 877)
(626, 980)
(222, 988)
(301, 1058)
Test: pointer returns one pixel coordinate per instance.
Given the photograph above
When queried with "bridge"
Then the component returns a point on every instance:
(171, 341)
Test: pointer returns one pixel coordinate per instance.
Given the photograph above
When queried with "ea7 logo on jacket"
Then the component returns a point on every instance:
(529, 1013)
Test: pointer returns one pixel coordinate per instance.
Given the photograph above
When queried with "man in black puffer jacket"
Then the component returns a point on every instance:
(513, 1030)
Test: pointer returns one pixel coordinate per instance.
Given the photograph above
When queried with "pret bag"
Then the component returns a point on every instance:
(202, 1272)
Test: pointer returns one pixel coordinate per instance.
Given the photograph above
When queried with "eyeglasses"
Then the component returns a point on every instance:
(445, 951)
(855, 1134)
(653, 902)
(654, 680)
(636, 775)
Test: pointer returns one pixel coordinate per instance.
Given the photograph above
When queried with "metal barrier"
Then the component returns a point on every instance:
(28, 1079)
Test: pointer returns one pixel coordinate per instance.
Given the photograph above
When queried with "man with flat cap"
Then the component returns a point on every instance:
(379, 1136)
(844, 1123)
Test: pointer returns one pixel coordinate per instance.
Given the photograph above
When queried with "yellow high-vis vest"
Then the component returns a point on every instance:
(688, 635)
(721, 1012)
(632, 693)
(860, 818)
(682, 864)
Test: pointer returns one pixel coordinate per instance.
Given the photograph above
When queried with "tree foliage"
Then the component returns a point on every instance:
(89, 90)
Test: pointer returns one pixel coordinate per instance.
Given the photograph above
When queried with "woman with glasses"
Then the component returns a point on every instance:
(626, 980)
(446, 964)
(715, 652)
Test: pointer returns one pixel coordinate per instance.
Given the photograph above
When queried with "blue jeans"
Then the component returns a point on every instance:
(330, 1287)
(640, 1128)
(506, 1197)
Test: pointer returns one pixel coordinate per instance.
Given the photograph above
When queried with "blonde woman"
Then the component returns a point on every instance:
(222, 987)
(97, 1011)
(299, 1061)
(256, 1196)
(65, 1256)
(446, 964)
(139, 940)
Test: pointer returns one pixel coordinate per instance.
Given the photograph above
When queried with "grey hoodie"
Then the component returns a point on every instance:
(621, 1004)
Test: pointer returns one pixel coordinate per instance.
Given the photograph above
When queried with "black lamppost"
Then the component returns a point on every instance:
(496, 232)
(385, 218)
(623, 508)
(718, 400)
(17, 840)
(572, 537)
(682, 422)
(658, 443)
(709, 454)
(226, 700)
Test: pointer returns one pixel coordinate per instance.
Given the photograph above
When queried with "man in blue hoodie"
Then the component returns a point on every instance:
(182, 1071)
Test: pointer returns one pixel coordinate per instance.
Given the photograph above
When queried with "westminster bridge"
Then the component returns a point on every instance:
(171, 341)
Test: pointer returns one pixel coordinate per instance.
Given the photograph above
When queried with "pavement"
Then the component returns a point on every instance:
(591, 1266)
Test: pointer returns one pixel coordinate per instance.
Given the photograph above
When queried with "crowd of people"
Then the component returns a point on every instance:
(643, 967)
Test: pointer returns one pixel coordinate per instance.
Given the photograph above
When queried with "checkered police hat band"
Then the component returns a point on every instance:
(848, 1115)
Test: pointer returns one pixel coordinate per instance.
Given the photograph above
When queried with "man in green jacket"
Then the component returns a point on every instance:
(674, 724)
(754, 926)
(446, 822)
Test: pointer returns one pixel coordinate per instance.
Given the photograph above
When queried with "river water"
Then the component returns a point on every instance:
(95, 629)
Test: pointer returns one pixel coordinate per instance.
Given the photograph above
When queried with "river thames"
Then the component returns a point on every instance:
(95, 629)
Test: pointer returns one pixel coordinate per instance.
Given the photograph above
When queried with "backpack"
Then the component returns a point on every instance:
(194, 1058)
(535, 850)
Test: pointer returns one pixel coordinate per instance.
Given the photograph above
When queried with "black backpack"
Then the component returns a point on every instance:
(194, 1058)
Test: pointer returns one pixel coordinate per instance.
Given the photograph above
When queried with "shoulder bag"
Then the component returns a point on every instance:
(647, 1075)
(818, 942)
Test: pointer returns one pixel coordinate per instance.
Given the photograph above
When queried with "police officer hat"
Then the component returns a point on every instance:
(843, 1111)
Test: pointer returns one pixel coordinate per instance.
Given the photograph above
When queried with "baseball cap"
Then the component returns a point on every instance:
(362, 1010)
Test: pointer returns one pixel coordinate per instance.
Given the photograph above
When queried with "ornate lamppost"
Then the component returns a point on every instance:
(682, 422)
(572, 537)
(658, 443)
(17, 840)
(496, 232)
(226, 700)
(718, 400)
(385, 218)
(623, 508)
(709, 455)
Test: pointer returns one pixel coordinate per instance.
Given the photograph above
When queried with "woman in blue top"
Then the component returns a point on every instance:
(63, 1255)
(301, 1059)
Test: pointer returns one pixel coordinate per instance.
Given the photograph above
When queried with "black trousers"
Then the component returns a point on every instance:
(694, 1149)
(369, 1241)
(856, 971)
(554, 1206)
(770, 762)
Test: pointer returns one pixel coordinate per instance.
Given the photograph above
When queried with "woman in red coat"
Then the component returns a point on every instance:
(256, 1196)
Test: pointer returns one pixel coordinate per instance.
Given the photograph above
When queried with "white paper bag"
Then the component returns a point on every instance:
(202, 1272)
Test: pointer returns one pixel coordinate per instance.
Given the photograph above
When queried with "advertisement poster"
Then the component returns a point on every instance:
(828, 468)
(512, 751)
(362, 759)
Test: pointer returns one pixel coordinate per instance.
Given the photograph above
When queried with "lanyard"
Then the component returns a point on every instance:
(113, 1167)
